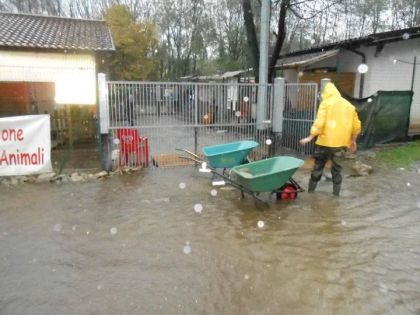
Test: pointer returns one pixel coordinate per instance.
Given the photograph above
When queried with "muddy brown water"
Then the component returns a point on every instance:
(144, 244)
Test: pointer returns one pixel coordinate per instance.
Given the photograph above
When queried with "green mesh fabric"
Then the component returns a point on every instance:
(385, 117)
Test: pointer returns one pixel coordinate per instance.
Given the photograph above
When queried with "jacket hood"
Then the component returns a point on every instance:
(330, 91)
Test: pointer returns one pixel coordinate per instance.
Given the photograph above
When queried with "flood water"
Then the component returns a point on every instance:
(161, 242)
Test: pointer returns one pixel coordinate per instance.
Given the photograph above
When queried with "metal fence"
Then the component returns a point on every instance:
(149, 121)
(299, 112)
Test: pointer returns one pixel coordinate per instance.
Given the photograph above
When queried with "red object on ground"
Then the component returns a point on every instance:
(288, 192)
(131, 143)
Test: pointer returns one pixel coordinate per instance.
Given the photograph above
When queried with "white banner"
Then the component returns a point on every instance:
(25, 145)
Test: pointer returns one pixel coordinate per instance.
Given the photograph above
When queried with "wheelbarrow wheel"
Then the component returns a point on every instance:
(287, 192)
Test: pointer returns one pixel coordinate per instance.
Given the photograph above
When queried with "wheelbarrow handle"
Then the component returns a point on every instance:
(189, 152)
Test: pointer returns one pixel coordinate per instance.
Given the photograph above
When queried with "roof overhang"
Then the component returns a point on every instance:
(305, 60)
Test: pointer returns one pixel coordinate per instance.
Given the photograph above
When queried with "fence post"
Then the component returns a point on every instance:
(103, 104)
(195, 118)
(104, 139)
(323, 84)
(278, 104)
(277, 117)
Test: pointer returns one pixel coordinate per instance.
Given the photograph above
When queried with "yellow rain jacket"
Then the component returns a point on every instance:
(336, 120)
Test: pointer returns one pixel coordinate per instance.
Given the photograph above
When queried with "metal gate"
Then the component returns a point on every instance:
(157, 118)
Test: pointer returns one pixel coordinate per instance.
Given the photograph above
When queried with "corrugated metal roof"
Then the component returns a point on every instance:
(303, 60)
(46, 32)
(232, 74)
(369, 40)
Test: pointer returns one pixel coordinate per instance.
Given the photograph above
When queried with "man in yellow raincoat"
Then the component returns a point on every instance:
(336, 127)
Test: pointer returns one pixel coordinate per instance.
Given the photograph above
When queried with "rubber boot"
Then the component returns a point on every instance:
(312, 185)
(336, 189)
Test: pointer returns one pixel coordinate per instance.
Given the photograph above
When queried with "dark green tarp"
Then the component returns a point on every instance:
(385, 117)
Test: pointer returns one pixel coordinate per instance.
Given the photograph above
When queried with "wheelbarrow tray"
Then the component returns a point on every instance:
(230, 154)
(267, 175)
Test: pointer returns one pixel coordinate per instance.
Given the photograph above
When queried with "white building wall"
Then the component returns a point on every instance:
(384, 73)
(74, 75)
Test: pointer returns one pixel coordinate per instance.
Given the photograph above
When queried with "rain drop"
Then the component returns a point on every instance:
(418, 204)
(402, 168)
(238, 114)
(57, 227)
(74, 227)
(116, 141)
(246, 99)
(369, 100)
(394, 61)
(260, 224)
(113, 230)
(312, 41)
(408, 184)
(187, 249)
(99, 287)
(198, 207)
(268, 142)
(362, 68)
(246, 277)
(343, 222)
(300, 74)
(34, 260)
(87, 232)
(182, 185)
(406, 36)
(213, 192)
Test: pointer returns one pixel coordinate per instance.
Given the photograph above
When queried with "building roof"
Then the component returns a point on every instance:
(307, 59)
(354, 43)
(25, 31)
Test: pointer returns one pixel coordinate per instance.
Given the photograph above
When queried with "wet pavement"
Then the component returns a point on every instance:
(166, 242)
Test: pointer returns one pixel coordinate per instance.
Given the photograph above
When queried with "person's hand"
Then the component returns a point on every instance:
(353, 147)
(305, 140)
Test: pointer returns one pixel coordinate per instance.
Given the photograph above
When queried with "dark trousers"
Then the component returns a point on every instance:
(321, 156)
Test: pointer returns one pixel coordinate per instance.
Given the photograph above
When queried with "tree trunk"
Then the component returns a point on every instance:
(281, 34)
(251, 37)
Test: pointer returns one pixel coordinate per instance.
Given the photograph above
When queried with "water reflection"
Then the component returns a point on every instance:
(134, 244)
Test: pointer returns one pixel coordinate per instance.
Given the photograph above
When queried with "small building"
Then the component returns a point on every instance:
(46, 62)
(388, 61)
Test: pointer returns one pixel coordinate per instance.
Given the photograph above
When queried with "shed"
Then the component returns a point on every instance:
(48, 61)
(392, 59)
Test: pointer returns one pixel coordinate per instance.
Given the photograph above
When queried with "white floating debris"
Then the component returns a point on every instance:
(266, 122)
(116, 141)
(362, 68)
(343, 222)
(300, 74)
(204, 168)
(57, 227)
(394, 61)
(408, 184)
(402, 168)
(99, 287)
(113, 230)
(187, 249)
(260, 224)
(238, 114)
(198, 207)
(246, 99)
(268, 142)
(74, 227)
(369, 100)
(246, 277)
(87, 232)
(182, 185)
(213, 192)
(406, 36)
(218, 183)
(221, 131)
